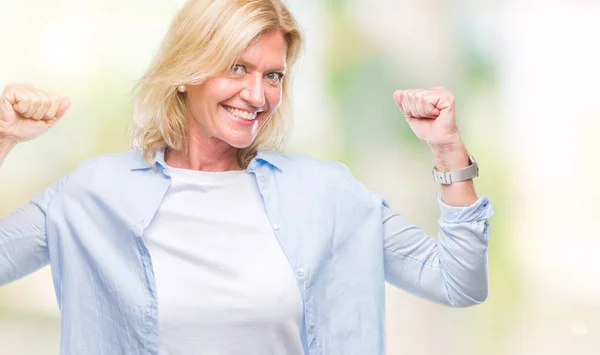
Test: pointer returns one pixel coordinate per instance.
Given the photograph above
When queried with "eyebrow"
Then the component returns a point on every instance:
(250, 66)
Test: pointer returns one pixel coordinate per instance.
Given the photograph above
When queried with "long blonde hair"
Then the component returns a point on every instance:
(205, 39)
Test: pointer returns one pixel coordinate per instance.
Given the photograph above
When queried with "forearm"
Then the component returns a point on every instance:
(5, 148)
(454, 157)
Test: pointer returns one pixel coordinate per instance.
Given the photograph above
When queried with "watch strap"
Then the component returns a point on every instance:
(449, 177)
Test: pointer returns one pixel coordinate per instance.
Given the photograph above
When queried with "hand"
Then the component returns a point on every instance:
(27, 113)
(430, 114)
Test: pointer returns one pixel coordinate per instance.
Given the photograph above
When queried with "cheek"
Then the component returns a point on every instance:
(273, 96)
(194, 103)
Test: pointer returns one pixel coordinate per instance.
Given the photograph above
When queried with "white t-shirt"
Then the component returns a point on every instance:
(224, 285)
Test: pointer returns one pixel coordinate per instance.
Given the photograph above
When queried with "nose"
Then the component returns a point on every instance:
(254, 91)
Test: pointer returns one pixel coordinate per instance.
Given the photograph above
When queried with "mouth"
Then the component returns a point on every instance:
(242, 116)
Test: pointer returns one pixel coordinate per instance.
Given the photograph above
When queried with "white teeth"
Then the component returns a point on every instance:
(249, 116)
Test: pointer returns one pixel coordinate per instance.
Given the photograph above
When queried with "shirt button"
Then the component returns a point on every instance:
(262, 178)
(276, 226)
(300, 272)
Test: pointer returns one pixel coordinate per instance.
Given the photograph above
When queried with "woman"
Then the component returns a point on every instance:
(204, 239)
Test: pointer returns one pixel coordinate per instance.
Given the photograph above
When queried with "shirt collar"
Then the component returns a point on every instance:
(139, 163)
(273, 158)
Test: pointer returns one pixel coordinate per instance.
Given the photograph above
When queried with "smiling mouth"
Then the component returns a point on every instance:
(243, 115)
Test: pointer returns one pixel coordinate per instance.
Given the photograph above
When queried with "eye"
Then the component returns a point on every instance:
(274, 77)
(238, 69)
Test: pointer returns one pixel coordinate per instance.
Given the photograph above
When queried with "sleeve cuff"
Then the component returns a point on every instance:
(478, 211)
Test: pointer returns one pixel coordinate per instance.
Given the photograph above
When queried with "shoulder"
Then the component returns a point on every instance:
(101, 171)
(109, 166)
(332, 175)
(300, 163)
(328, 183)
(106, 171)
(122, 161)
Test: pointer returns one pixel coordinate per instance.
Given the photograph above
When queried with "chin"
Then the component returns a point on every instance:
(240, 142)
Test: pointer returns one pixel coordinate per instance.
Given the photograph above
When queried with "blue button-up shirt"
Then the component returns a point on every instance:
(342, 241)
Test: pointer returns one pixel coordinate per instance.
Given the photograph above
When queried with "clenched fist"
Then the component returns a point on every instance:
(26, 112)
(430, 114)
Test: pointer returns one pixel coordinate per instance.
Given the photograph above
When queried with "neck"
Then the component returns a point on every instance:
(208, 154)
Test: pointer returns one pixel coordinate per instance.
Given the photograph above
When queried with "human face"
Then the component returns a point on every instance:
(231, 109)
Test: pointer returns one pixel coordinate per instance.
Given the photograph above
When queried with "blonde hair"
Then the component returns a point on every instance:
(205, 39)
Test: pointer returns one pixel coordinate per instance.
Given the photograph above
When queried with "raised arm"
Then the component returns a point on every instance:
(452, 269)
(25, 114)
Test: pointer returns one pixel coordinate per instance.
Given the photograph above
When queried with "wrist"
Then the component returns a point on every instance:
(7, 145)
(450, 157)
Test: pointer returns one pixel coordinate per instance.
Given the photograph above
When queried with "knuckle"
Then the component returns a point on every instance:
(22, 106)
(51, 112)
(37, 101)
(15, 87)
(12, 86)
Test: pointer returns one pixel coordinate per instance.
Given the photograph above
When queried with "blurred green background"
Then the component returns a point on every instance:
(525, 75)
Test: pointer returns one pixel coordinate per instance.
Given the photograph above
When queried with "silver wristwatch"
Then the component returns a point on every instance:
(448, 177)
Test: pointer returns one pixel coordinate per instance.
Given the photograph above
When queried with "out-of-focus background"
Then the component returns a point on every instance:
(526, 78)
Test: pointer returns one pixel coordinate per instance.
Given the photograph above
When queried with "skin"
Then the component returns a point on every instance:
(27, 113)
(254, 86)
(431, 116)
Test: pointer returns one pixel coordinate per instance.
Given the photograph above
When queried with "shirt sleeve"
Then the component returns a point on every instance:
(451, 269)
(23, 246)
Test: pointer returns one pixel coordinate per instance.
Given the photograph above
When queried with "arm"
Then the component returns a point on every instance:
(23, 247)
(26, 113)
(452, 158)
(431, 115)
(5, 148)
(451, 269)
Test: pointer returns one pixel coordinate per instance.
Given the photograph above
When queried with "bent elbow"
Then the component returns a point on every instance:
(459, 299)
